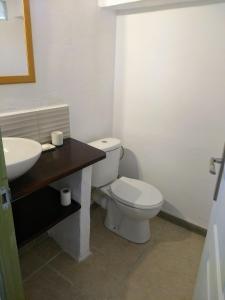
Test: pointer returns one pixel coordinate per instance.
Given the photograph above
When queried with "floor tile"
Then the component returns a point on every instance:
(33, 258)
(48, 285)
(163, 268)
(30, 262)
(93, 277)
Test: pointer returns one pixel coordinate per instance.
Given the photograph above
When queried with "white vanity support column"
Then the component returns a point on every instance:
(73, 233)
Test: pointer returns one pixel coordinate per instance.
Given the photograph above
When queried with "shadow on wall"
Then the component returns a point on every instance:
(129, 165)
(172, 210)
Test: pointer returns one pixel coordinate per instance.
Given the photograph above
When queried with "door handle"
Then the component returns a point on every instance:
(212, 170)
(212, 167)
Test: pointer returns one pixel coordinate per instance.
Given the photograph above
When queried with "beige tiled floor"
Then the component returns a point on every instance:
(163, 269)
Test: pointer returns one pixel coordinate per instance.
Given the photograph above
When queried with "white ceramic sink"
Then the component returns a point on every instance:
(20, 155)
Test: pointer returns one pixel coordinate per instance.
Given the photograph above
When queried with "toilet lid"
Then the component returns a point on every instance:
(136, 193)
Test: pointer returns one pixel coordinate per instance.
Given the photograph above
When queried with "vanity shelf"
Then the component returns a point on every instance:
(38, 212)
(36, 206)
(63, 161)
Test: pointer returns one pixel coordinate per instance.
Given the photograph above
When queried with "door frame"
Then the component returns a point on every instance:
(9, 258)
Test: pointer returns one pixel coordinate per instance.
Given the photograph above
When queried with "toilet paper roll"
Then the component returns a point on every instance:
(57, 138)
(65, 196)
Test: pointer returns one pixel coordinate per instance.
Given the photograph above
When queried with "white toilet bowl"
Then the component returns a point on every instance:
(133, 203)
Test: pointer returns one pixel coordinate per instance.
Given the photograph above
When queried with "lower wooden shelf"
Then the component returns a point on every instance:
(38, 212)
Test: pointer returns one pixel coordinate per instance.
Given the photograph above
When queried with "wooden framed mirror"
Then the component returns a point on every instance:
(16, 51)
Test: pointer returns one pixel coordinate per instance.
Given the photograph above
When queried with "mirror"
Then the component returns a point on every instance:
(16, 51)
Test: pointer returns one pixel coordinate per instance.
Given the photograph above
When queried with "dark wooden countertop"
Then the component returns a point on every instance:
(65, 160)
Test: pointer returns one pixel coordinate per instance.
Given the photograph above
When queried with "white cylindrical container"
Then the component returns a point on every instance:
(65, 196)
(57, 138)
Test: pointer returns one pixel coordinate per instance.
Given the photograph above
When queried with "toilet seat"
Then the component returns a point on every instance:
(136, 193)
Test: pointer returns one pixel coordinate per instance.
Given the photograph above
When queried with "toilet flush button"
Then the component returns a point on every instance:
(104, 141)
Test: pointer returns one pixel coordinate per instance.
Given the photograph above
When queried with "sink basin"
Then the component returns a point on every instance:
(20, 155)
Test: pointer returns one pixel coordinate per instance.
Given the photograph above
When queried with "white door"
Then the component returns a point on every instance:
(210, 284)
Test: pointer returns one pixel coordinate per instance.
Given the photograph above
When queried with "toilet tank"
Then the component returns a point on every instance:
(106, 171)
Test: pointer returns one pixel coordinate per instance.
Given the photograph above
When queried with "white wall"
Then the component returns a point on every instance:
(170, 102)
(74, 59)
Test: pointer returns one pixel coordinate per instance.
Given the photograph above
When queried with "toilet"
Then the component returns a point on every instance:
(129, 203)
